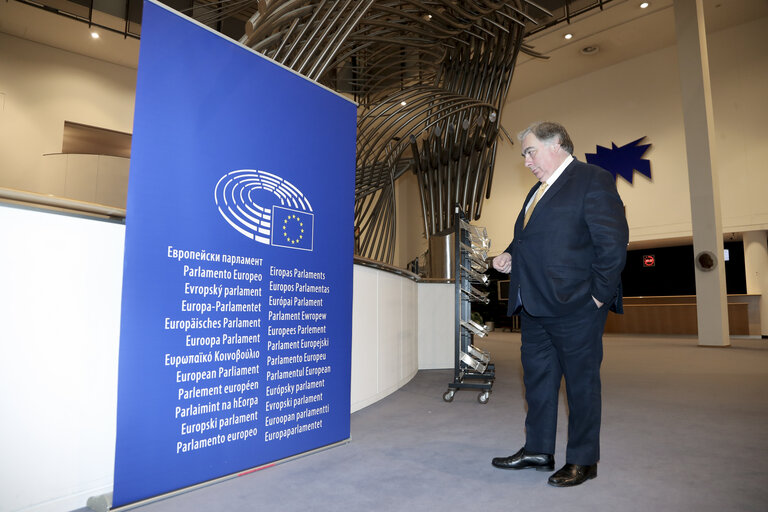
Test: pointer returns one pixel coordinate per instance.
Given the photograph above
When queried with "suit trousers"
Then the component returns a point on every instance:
(569, 346)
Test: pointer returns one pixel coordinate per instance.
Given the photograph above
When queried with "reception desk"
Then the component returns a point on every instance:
(677, 315)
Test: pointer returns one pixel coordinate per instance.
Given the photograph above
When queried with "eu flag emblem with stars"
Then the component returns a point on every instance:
(292, 228)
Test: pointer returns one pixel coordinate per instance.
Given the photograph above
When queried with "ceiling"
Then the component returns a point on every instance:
(620, 31)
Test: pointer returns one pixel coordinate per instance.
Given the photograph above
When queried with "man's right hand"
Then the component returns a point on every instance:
(503, 262)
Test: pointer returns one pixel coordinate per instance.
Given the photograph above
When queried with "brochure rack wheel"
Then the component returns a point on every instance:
(472, 367)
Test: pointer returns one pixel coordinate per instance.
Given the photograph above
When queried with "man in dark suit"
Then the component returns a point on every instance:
(564, 266)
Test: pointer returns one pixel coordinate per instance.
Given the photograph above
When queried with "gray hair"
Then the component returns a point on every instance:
(549, 133)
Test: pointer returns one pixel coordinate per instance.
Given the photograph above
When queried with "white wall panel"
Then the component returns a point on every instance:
(409, 330)
(390, 298)
(365, 337)
(384, 334)
(60, 282)
(437, 311)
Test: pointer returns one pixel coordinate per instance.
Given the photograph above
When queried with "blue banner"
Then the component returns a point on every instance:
(237, 297)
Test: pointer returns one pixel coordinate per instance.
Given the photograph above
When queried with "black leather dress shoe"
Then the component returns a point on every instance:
(526, 460)
(573, 474)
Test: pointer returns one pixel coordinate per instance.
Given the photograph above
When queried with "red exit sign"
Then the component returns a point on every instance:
(649, 260)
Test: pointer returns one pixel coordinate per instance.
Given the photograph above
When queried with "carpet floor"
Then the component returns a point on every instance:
(685, 428)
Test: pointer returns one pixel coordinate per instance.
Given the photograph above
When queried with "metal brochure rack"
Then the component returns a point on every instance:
(472, 367)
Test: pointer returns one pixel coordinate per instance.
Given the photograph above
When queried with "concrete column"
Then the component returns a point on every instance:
(756, 269)
(693, 63)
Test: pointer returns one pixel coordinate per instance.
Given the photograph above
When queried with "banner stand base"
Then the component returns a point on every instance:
(207, 483)
(100, 503)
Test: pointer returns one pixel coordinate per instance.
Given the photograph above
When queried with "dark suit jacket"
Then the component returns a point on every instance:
(574, 246)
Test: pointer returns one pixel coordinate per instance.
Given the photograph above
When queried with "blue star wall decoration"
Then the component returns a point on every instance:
(622, 161)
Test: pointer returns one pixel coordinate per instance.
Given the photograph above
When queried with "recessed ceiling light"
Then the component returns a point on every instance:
(644, 5)
(568, 36)
(403, 103)
(95, 35)
(590, 50)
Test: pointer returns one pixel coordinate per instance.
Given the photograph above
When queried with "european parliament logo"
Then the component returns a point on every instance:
(266, 208)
